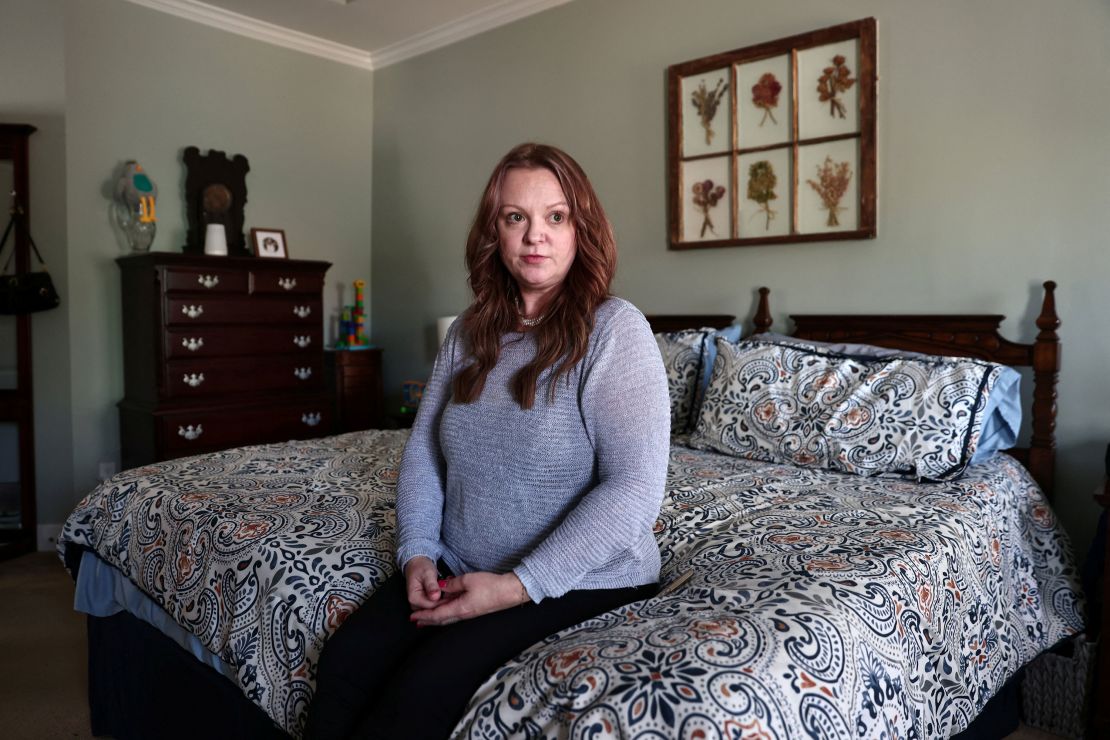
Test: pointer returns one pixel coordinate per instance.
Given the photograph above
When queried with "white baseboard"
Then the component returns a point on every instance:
(48, 535)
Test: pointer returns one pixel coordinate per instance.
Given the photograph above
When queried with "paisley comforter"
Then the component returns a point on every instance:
(819, 603)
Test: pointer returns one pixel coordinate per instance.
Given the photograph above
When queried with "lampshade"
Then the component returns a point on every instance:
(443, 323)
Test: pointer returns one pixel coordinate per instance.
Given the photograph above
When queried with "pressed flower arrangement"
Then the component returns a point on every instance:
(761, 188)
(707, 102)
(832, 183)
(706, 196)
(784, 133)
(765, 95)
(833, 81)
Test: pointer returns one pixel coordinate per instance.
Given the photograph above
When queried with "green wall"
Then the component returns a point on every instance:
(993, 161)
(107, 81)
(143, 85)
(993, 154)
(32, 90)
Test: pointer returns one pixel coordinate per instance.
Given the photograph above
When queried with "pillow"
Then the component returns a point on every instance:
(681, 352)
(1001, 417)
(843, 348)
(806, 405)
(688, 356)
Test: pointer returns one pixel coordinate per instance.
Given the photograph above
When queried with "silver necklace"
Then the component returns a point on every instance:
(524, 320)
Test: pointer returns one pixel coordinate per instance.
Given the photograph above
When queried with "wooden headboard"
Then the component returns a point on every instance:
(678, 322)
(962, 335)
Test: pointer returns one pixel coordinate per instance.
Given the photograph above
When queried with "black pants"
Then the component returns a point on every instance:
(381, 676)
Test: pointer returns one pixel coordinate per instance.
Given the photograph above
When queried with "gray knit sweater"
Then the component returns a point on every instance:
(564, 494)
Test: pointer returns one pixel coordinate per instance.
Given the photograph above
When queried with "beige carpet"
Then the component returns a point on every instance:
(43, 680)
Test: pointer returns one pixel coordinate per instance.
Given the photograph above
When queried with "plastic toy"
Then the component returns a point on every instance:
(352, 322)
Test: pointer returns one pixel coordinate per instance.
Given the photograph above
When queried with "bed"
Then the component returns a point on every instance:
(804, 601)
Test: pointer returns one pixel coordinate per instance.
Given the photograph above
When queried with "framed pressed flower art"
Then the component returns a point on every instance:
(775, 143)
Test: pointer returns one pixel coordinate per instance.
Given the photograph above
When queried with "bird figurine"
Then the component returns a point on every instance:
(135, 211)
(137, 191)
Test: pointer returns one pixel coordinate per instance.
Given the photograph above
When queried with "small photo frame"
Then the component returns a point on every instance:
(269, 243)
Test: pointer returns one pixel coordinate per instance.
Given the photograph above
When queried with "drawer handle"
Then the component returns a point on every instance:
(287, 283)
(193, 380)
(190, 432)
(302, 311)
(303, 373)
(192, 344)
(302, 342)
(311, 419)
(192, 311)
(208, 281)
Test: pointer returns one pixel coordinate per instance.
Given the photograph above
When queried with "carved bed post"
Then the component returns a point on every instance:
(763, 318)
(1046, 369)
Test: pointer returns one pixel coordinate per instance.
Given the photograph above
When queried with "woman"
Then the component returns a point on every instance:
(534, 473)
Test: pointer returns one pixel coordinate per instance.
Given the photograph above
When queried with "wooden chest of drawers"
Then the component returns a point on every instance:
(220, 352)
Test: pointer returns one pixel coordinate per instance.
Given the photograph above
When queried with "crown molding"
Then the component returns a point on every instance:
(472, 24)
(225, 20)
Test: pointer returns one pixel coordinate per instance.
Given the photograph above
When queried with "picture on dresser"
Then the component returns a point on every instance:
(269, 243)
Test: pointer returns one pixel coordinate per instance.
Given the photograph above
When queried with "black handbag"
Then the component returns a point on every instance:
(25, 292)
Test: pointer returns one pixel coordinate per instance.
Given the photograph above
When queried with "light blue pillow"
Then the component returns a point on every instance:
(730, 334)
(1002, 416)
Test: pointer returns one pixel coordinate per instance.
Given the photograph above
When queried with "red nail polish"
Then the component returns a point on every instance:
(442, 583)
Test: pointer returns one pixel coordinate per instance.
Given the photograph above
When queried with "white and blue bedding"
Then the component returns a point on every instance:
(819, 602)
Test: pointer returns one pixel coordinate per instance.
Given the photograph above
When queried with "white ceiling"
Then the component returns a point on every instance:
(367, 33)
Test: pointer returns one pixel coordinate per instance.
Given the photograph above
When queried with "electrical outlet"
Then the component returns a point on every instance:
(107, 470)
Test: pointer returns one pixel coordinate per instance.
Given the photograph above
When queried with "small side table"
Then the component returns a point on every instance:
(355, 376)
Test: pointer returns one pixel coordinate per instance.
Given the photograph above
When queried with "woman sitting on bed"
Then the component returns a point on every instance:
(534, 472)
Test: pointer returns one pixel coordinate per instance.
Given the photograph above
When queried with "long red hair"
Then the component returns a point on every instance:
(564, 333)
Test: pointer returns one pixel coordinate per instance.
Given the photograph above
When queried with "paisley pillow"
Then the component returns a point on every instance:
(1001, 417)
(918, 416)
(681, 352)
(688, 356)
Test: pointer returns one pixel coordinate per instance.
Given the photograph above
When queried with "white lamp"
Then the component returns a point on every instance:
(443, 323)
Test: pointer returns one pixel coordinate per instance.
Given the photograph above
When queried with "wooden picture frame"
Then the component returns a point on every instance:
(775, 143)
(269, 243)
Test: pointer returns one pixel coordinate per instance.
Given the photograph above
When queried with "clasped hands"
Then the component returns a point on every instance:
(438, 602)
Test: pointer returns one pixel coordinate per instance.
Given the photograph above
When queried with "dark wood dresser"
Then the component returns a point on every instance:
(220, 352)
